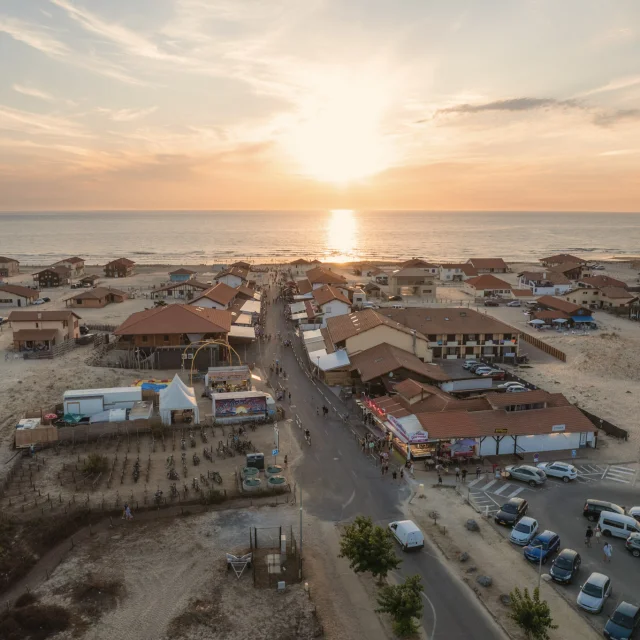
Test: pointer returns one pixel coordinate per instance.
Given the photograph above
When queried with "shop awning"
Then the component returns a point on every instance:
(582, 318)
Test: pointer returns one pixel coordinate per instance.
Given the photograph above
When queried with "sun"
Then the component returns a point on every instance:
(338, 136)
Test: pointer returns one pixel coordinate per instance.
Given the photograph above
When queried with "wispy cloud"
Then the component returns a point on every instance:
(31, 123)
(33, 93)
(509, 104)
(615, 85)
(126, 115)
(32, 35)
(616, 116)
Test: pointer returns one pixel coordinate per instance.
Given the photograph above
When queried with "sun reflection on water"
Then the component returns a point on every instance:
(342, 233)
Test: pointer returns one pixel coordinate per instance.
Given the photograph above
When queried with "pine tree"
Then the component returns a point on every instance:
(532, 615)
(368, 548)
(403, 602)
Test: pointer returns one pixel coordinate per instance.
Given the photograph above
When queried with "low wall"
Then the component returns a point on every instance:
(543, 346)
(608, 427)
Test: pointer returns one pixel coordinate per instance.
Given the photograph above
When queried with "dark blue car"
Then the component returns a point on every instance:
(545, 545)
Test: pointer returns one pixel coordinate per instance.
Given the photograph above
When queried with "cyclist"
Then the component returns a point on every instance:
(307, 436)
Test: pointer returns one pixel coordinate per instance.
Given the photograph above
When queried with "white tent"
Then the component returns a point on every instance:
(177, 397)
(178, 382)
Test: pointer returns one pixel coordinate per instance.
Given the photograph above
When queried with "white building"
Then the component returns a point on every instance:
(331, 303)
(13, 295)
(233, 276)
(220, 296)
(544, 283)
(457, 272)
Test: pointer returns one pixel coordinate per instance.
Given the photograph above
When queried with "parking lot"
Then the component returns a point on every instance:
(558, 506)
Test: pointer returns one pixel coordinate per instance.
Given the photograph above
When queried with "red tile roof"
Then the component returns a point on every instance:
(321, 275)
(125, 262)
(52, 316)
(559, 304)
(342, 327)
(550, 315)
(487, 281)
(3, 259)
(475, 424)
(603, 281)
(385, 358)
(239, 272)
(326, 294)
(17, 290)
(561, 258)
(176, 318)
(521, 293)
(617, 293)
(418, 262)
(34, 335)
(221, 293)
(182, 272)
(304, 286)
(552, 276)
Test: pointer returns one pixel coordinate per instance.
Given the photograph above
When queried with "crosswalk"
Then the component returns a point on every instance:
(621, 474)
(496, 487)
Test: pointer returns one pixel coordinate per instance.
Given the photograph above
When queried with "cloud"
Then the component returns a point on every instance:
(615, 85)
(609, 118)
(127, 115)
(31, 123)
(33, 93)
(509, 104)
(33, 36)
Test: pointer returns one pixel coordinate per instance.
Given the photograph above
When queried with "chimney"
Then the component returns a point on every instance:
(413, 333)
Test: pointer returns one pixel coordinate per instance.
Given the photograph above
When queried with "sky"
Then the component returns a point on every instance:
(313, 104)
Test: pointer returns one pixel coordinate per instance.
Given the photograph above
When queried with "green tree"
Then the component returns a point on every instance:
(531, 614)
(368, 548)
(403, 602)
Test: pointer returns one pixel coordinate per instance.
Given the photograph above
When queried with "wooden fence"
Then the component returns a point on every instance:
(543, 346)
(608, 427)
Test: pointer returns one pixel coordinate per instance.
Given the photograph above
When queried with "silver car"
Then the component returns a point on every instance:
(594, 592)
(526, 473)
(562, 470)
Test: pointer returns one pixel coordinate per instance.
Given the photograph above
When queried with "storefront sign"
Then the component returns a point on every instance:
(501, 431)
(398, 427)
(558, 427)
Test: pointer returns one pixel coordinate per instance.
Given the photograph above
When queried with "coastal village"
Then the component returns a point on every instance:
(189, 386)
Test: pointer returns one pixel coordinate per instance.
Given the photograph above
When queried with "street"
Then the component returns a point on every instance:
(339, 482)
(558, 506)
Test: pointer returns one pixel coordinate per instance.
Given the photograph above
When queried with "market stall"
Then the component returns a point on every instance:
(178, 404)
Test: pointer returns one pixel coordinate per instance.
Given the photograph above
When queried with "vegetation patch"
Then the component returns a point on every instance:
(97, 594)
(200, 613)
(33, 621)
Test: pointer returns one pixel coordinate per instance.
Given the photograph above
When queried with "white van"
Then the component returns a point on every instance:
(407, 534)
(618, 525)
(397, 306)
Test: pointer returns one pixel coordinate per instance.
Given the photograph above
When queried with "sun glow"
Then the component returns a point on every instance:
(342, 232)
(339, 136)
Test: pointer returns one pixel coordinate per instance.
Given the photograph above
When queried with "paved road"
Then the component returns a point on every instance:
(341, 482)
(558, 506)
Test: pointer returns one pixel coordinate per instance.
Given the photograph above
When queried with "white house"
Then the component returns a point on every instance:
(13, 295)
(75, 264)
(457, 272)
(543, 283)
(220, 296)
(331, 303)
(233, 276)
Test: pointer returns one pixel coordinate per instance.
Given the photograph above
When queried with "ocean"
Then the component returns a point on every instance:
(219, 237)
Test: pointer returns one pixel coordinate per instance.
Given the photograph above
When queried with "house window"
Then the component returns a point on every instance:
(78, 301)
(37, 325)
(488, 336)
(432, 337)
(165, 338)
(451, 337)
(144, 338)
(471, 336)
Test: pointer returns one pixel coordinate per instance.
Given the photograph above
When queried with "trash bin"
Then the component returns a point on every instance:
(255, 460)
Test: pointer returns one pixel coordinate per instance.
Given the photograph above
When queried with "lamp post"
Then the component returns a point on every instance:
(318, 367)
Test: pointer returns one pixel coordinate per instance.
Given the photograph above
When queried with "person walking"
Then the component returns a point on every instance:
(395, 474)
(401, 473)
(381, 469)
(478, 471)
(464, 475)
(439, 479)
(608, 550)
(598, 534)
(457, 475)
(587, 536)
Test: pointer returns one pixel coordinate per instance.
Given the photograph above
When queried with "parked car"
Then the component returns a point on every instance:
(482, 369)
(634, 512)
(45, 299)
(491, 303)
(469, 363)
(617, 525)
(395, 298)
(496, 374)
(594, 592)
(514, 303)
(565, 566)
(593, 508)
(526, 473)
(524, 531)
(38, 301)
(562, 470)
(506, 385)
(632, 545)
(545, 544)
(511, 511)
(475, 366)
(407, 533)
(517, 389)
(598, 267)
(623, 622)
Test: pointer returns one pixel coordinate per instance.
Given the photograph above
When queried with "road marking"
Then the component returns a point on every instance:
(339, 453)
(486, 486)
(350, 500)
(501, 489)
(355, 475)
(433, 610)
(475, 482)
(516, 492)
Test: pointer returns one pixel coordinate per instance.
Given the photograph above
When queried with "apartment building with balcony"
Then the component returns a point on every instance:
(459, 333)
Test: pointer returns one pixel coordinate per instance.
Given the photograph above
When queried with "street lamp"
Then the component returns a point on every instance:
(318, 367)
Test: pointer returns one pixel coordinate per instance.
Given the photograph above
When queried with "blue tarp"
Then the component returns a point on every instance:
(582, 318)
(153, 386)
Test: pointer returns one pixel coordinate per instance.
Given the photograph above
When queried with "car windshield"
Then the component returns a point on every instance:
(564, 563)
(622, 620)
(544, 544)
(592, 590)
(522, 528)
(510, 508)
